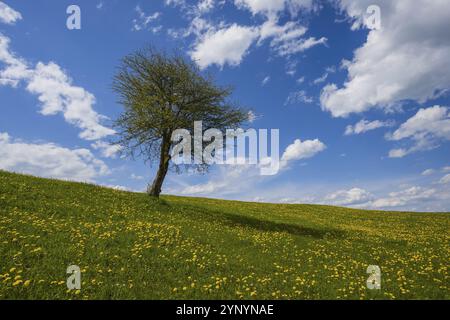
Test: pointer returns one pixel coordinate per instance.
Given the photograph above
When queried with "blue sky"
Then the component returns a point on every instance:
(363, 113)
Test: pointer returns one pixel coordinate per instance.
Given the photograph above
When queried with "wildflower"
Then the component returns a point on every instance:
(16, 283)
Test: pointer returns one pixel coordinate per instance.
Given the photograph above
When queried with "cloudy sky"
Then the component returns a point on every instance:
(363, 112)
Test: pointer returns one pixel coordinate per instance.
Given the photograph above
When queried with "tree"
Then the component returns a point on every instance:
(163, 92)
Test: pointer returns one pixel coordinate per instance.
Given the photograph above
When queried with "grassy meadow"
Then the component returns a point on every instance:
(131, 247)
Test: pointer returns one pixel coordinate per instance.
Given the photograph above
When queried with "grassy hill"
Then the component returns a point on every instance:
(130, 247)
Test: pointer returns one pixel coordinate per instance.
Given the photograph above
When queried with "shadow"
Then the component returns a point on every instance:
(157, 201)
(294, 229)
(231, 219)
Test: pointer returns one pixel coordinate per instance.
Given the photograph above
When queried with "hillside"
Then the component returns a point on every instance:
(130, 247)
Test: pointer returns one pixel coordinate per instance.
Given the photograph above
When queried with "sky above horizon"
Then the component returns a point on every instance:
(363, 112)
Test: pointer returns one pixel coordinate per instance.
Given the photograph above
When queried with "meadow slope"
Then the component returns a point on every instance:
(187, 248)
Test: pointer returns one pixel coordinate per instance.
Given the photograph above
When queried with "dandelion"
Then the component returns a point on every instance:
(16, 283)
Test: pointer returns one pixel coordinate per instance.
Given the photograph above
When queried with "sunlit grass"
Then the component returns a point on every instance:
(129, 247)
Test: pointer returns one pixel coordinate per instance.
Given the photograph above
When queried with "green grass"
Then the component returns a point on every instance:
(131, 247)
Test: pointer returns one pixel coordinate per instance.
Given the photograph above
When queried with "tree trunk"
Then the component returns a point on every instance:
(155, 189)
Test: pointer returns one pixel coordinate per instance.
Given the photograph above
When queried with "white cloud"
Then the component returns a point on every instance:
(302, 150)
(143, 20)
(247, 177)
(16, 68)
(265, 81)
(274, 7)
(222, 182)
(261, 6)
(8, 15)
(299, 45)
(352, 196)
(175, 2)
(205, 6)
(364, 126)
(300, 80)
(299, 96)
(398, 153)
(106, 149)
(55, 92)
(287, 39)
(428, 172)
(280, 33)
(224, 46)
(195, 9)
(445, 179)
(321, 79)
(136, 177)
(49, 160)
(426, 128)
(446, 169)
(405, 197)
(401, 61)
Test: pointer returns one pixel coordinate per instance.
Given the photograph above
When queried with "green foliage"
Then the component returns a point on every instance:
(187, 248)
(162, 93)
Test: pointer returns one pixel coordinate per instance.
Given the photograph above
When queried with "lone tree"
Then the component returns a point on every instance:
(163, 92)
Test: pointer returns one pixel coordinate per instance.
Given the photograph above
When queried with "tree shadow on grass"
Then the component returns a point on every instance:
(231, 219)
(294, 229)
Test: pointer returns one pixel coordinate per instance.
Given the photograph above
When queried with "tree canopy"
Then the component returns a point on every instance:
(160, 93)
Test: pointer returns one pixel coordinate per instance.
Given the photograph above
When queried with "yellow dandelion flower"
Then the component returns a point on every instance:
(17, 283)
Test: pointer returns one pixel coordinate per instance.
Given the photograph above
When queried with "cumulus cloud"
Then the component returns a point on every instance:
(349, 197)
(302, 150)
(426, 129)
(408, 196)
(224, 46)
(405, 197)
(401, 61)
(49, 160)
(8, 15)
(364, 126)
(221, 44)
(55, 91)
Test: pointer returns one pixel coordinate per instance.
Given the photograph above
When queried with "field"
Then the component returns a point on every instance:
(130, 247)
